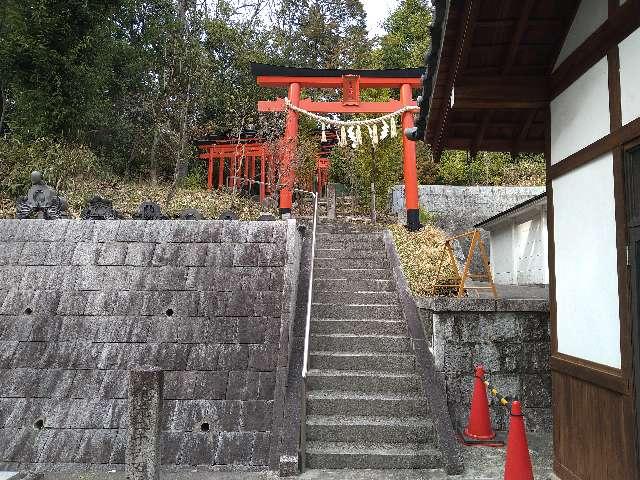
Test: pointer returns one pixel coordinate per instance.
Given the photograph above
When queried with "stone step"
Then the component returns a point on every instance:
(384, 362)
(375, 474)
(365, 312)
(350, 253)
(342, 342)
(331, 402)
(330, 237)
(347, 229)
(368, 430)
(362, 327)
(358, 298)
(352, 285)
(351, 273)
(371, 262)
(366, 382)
(352, 243)
(388, 456)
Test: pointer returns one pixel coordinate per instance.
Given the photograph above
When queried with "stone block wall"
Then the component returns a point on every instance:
(82, 302)
(459, 208)
(510, 338)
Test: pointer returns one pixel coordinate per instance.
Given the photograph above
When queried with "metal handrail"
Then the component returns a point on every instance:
(305, 358)
(307, 331)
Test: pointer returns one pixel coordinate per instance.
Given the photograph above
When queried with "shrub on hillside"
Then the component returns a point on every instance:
(529, 172)
(491, 168)
(59, 164)
(420, 254)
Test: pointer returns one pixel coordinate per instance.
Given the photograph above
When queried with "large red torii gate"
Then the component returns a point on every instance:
(350, 82)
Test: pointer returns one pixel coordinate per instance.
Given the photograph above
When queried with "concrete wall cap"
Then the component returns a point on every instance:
(466, 304)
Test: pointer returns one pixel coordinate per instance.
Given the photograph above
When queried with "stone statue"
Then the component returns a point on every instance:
(190, 214)
(149, 211)
(98, 208)
(228, 215)
(266, 217)
(41, 201)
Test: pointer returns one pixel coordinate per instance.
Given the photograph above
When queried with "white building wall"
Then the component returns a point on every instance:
(519, 249)
(629, 50)
(590, 15)
(502, 254)
(580, 114)
(545, 245)
(586, 277)
(529, 251)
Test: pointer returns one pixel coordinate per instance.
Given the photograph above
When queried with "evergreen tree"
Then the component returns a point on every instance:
(406, 38)
(321, 33)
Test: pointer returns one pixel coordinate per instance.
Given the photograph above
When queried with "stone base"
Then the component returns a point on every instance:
(288, 466)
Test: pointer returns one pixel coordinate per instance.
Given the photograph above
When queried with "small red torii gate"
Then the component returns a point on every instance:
(350, 82)
(323, 163)
(249, 151)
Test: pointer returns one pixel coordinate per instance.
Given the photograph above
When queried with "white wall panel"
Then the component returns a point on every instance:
(588, 321)
(590, 15)
(529, 251)
(580, 114)
(502, 254)
(630, 77)
(545, 245)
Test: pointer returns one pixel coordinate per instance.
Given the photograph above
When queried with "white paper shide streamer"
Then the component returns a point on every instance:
(385, 130)
(351, 131)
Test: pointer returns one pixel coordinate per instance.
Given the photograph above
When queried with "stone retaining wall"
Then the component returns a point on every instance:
(82, 302)
(459, 208)
(511, 338)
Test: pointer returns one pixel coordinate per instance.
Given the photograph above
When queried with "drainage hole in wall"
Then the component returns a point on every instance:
(28, 311)
(39, 424)
(204, 427)
(169, 312)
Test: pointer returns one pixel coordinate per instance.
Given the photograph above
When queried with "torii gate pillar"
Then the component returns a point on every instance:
(409, 162)
(286, 163)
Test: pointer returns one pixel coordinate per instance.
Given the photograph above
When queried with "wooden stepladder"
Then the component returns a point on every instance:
(447, 250)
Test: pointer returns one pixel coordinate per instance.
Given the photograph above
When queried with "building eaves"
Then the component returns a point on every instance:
(513, 210)
(432, 60)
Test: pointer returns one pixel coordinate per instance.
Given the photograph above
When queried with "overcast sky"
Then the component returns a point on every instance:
(377, 10)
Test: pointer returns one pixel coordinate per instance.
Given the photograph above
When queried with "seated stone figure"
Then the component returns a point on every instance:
(41, 201)
(98, 208)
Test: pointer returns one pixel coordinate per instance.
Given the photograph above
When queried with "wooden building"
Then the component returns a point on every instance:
(519, 243)
(562, 77)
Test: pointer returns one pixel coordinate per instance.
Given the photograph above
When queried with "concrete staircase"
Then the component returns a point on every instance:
(365, 407)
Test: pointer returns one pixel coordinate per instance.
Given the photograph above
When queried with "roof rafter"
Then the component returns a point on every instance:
(510, 22)
(504, 93)
(524, 130)
(521, 27)
(477, 141)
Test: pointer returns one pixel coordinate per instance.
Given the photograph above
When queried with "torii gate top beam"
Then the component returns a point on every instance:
(275, 77)
(334, 107)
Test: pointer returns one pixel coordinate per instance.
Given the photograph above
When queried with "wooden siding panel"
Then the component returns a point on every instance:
(591, 424)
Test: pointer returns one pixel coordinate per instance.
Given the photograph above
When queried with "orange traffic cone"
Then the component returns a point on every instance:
(479, 424)
(518, 464)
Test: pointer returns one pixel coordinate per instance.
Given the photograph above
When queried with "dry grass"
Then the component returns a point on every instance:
(127, 196)
(420, 253)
